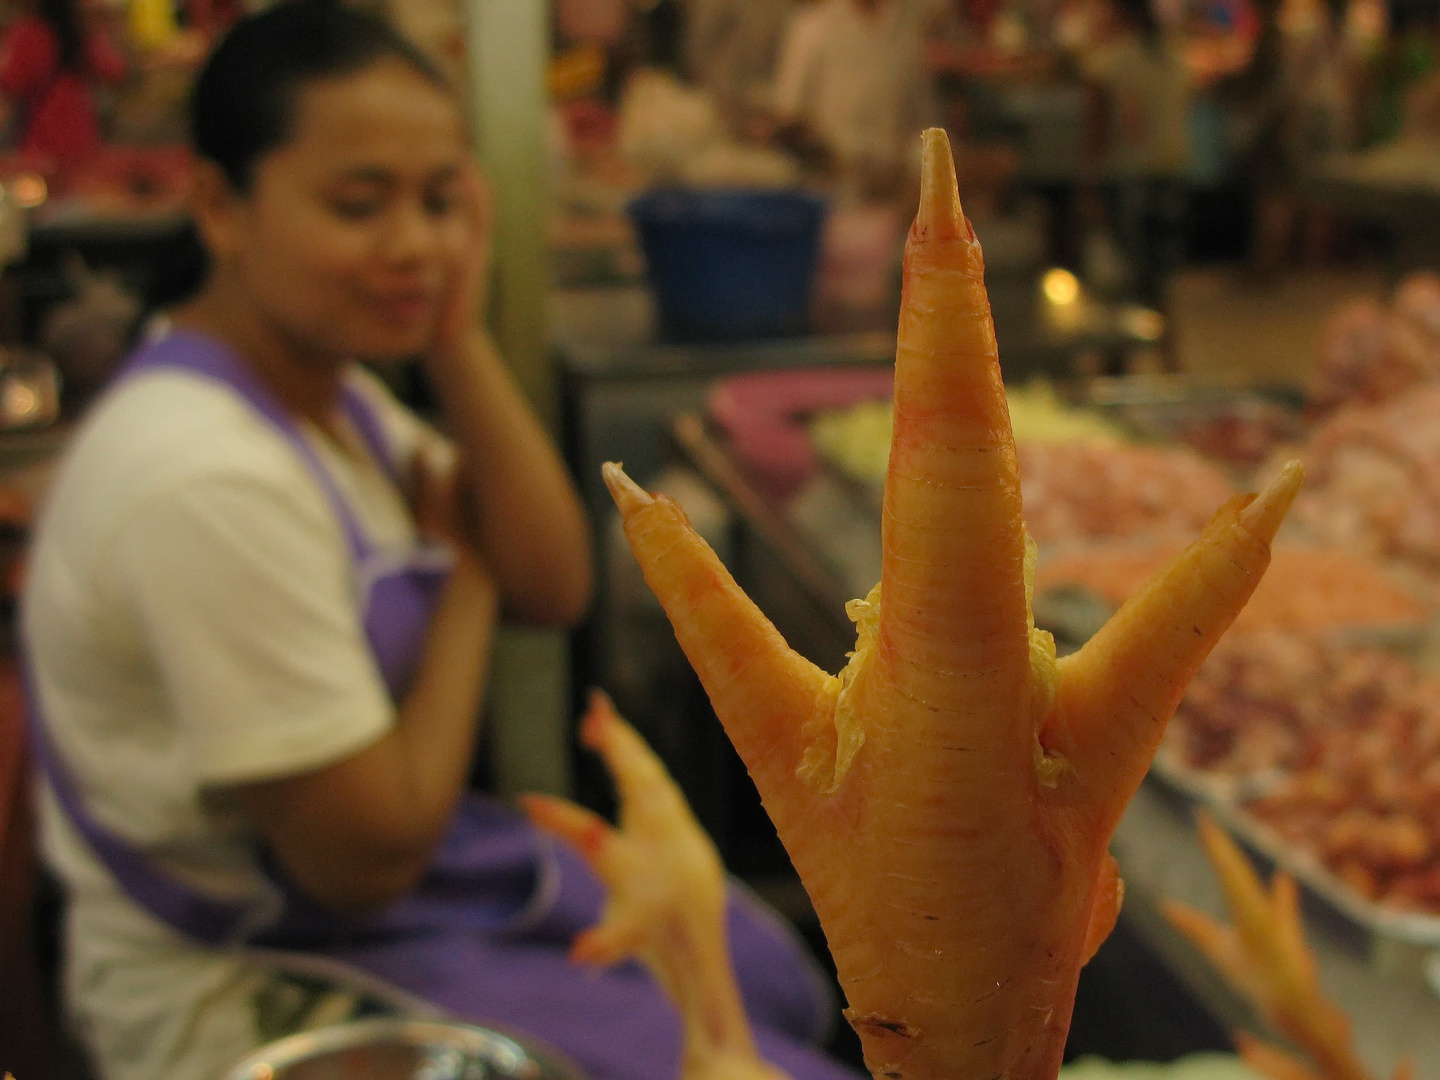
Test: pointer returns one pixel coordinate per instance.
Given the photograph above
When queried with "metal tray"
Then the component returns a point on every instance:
(1212, 788)
(394, 1049)
(1410, 928)
(1226, 797)
(1226, 794)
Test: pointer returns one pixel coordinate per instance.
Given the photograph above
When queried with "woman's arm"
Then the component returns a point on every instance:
(243, 595)
(522, 512)
(358, 834)
(524, 515)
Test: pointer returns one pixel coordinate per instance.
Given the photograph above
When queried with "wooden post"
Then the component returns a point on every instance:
(507, 54)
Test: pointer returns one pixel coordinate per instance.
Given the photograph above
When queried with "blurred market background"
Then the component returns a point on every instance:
(1211, 231)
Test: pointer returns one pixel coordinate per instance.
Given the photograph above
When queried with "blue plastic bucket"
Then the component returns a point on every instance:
(730, 264)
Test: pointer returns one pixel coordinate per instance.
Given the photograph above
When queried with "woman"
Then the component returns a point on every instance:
(262, 596)
(48, 61)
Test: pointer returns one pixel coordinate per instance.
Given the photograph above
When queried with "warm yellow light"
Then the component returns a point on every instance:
(21, 402)
(29, 190)
(1060, 287)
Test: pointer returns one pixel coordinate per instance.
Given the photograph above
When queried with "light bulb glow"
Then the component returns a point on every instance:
(21, 402)
(29, 190)
(1060, 286)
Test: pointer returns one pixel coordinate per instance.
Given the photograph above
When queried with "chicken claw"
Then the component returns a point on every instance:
(1265, 958)
(948, 798)
(666, 898)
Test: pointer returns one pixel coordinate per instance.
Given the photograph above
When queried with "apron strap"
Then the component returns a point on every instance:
(361, 412)
(209, 920)
(207, 357)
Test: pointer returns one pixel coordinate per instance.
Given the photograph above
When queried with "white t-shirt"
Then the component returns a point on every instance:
(192, 622)
(859, 78)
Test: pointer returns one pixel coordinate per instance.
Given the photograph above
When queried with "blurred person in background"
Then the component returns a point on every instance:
(1409, 61)
(732, 48)
(1408, 77)
(1366, 34)
(1139, 100)
(51, 60)
(1294, 107)
(853, 91)
(1321, 75)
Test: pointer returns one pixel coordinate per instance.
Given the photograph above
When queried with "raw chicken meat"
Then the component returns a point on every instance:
(1093, 489)
(1375, 479)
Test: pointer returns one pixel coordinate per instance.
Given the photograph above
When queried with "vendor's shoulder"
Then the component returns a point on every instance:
(163, 427)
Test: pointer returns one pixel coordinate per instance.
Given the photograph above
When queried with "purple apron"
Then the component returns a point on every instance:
(485, 935)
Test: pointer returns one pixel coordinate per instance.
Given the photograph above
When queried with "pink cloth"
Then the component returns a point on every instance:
(763, 415)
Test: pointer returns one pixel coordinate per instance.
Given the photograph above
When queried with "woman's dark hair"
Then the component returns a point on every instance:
(63, 17)
(244, 102)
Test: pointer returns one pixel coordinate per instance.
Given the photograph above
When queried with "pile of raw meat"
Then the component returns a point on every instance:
(1103, 489)
(1333, 742)
(1373, 458)
(1370, 353)
(1305, 589)
(1342, 745)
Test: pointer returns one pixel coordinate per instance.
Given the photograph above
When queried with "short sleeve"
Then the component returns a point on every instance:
(242, 590)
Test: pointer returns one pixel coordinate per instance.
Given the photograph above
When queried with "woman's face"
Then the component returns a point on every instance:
(353, 230)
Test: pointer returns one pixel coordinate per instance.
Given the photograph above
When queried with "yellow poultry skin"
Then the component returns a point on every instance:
(948, 798)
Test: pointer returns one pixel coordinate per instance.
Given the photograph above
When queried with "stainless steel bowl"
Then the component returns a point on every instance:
(389, 1049)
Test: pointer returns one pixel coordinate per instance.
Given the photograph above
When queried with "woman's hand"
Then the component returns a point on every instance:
(434, 493)
(463, 312)
(523, 515)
